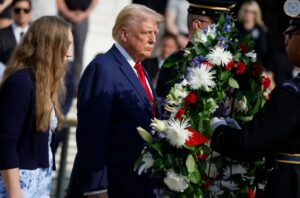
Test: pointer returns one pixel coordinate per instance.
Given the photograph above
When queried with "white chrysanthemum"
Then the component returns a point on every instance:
(158, 125)
(252, 55)
(219, 56)
(230, 185)
(202, 78)
(148, 162)
(234, 169)
(176, 132)
(212, 170)
(176, 182)
(184, 83)
(241, 105)
(215, 190)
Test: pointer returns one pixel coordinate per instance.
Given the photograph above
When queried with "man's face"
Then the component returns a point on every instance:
(293, 48)
(168, 46)
(140, 39)
(21, 13)
(198, 23)
(204, 22)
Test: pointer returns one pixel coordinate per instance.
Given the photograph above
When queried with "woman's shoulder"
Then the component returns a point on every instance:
(21, 79)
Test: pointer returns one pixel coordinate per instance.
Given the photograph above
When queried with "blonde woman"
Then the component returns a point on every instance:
(251, 23)
(29, 108)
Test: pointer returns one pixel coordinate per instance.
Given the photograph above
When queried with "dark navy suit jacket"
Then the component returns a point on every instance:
(111, 105)
(20, 144)
(7, 43)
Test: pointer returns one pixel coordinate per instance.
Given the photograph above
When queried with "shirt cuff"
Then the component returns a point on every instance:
(95, 192)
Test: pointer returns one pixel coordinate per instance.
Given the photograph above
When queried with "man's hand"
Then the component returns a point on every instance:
(101, 195)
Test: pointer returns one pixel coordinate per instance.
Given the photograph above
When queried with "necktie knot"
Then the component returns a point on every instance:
(138, 66)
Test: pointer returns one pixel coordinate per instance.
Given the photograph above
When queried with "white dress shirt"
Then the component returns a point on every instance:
(2, 68)
(18, 30)
(131, 62)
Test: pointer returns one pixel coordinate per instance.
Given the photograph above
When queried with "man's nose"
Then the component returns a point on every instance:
(152, 38)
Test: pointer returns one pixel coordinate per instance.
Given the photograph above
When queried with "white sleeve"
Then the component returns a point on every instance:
(2, 68)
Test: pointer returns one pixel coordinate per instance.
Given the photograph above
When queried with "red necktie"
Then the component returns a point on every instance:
(141, 75)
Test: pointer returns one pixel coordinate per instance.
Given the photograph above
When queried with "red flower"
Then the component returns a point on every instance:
(266, 82)
(257, 70)
(207, 183)
(241, 68)
(180, 113)
(202, 157)
(208, 64)
(195, 138)
(191, 98)
(251, 193)
(230, 65)
(244, 48)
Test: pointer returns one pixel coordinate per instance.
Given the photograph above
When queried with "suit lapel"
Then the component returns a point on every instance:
(11, 36)
(131, 77)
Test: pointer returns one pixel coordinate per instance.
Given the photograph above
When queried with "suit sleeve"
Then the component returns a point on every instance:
(15, 98)
(266, 134)
(94, 113)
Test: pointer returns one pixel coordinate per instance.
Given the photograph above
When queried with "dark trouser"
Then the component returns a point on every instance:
(79, 33)
(284, 182)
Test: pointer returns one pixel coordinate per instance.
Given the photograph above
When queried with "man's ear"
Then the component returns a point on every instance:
(196, 24)
(123, 33)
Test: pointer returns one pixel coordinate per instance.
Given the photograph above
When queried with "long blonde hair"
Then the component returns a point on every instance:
(42, 51)
(258, 15)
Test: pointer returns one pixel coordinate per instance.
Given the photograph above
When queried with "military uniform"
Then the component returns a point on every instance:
(211, 8)
(274, 132)
(168, 76)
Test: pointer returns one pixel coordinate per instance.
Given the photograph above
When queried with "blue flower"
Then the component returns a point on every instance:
(227, 26)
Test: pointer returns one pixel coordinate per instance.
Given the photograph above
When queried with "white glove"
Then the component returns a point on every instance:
(232, 123)
(216, 122)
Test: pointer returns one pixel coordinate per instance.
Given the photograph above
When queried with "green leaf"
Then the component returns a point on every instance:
(145, 135)
(170, 62)
(233, 83)
(244, 118)
(224, 77)
(257, 105)
(158, 148)
(190, 163)
(191, 148)
(195, 177)
(237, 57)
(222, 20)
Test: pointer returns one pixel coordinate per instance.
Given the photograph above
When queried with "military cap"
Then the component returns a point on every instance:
(211, 8)
(292, 9)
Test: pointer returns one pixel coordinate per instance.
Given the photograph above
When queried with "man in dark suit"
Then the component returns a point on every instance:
(115, 97)
(201, 14)
(12, 35)
(168, 44)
